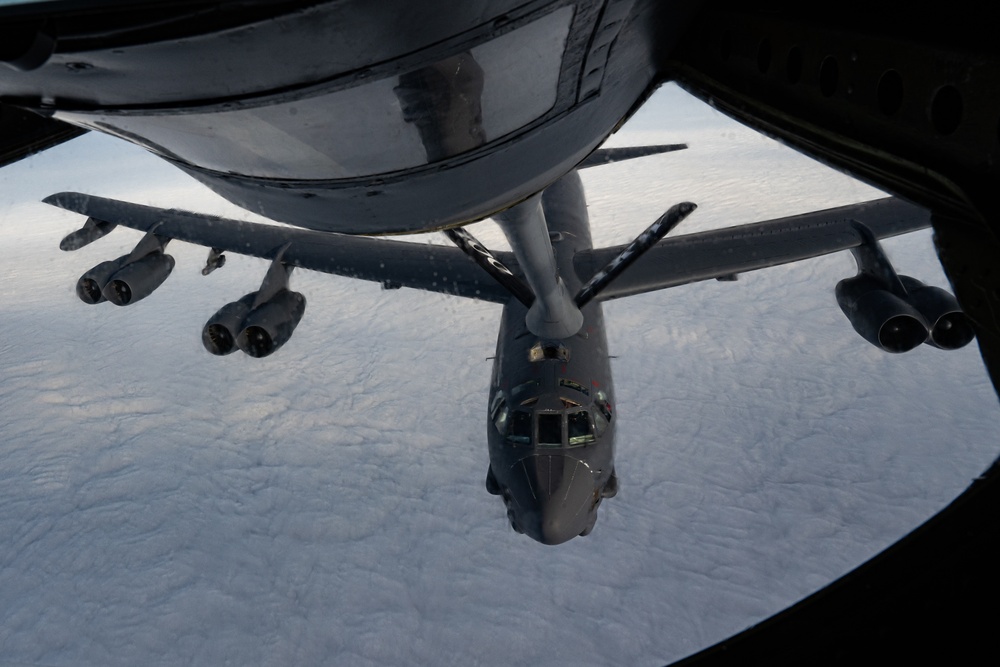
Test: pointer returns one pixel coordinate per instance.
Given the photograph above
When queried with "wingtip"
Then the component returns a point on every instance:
(60, 199)
(603, 156)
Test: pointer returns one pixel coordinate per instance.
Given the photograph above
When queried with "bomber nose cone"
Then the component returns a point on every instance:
(555, 497)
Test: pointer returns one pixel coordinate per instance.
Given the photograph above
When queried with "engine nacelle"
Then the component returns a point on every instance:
(950, 329)
(138, 279)
(881, 317)
(221, 330)
(90, 286)
(270, 325)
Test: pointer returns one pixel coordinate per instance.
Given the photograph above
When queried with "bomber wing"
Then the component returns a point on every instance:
(393, 263)
(725, 252)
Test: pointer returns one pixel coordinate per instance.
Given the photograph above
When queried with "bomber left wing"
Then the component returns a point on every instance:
(721, 253)
(392, 263)
(893, 312)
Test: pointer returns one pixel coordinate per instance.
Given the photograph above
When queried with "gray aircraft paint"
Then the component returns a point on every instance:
(552, 491)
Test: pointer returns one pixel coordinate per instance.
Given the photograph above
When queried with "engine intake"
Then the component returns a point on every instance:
(90, 286)
(257, 331)
(125, 280)
(219, 334)
(270, 325)
(896, 312)
(881, 317)
(137, 280)
(950, 328)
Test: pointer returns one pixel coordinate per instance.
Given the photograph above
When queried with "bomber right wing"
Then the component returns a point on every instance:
(394, 264)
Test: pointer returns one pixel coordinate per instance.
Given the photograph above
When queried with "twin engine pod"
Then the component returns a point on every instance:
(258, 324)
(258, 329)
(123, 282)
(925, 314)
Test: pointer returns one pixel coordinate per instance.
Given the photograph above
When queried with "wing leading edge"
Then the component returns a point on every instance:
(392, 263)
(674, 261)
(724, 252)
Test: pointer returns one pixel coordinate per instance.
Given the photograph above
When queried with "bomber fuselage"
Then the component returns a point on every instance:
(551, 419)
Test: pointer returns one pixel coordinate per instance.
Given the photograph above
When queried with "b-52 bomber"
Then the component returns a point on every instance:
(551, 408)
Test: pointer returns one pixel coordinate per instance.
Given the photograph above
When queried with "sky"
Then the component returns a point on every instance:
(326, 504)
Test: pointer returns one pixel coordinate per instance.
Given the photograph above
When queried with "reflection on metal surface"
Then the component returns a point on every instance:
(444, 101)
(428, 114)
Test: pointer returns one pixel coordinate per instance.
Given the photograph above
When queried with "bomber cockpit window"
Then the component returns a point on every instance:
(579, 427)
(519, 427)
(498, 412)
(498, 398)
(600, 422)
(603, 404)
(564, 382)
(550, 429)
(524, 390)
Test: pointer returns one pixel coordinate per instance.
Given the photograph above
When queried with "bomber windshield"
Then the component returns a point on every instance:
(398, 122)
(551, 428)
(580, 428)
(519, 427)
